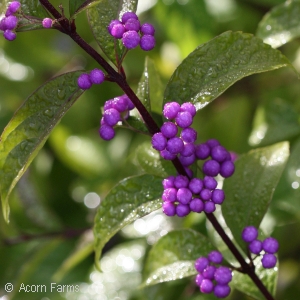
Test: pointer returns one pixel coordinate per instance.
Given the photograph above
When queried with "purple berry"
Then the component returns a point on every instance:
(13, 7)
(255, 246)
(130, 103)
(132, 24)
(111, 117)
(117, 31)
(47, 23)
(112, 24)
(218, 196)
(197, 205)
(171, 109)
(211, 168)
(167, 155)
(196, 185)
(209, 272)
(270, 245)
(212, 143)
(106, 132)
(108, 104)
(130, 39)
(190, 107)
(184, 119)
(201, 264)
(97, 76)
(147, 42)
(169, 130)
(202, 151)
(205, 194)
(168, 182)
(175, 145)
(169, 209)
(9, 35)
(182, 210)
(219, 153)
(147, 29)
(181, 181)
(187, 160)
(210, 182)
(159, 142)
(169, 195)
(120, 104)
(223, 275)
(84, 81)
(249, 234)
(2, 24)
(199, 279)
(209, 207)
(227, 168)
(184, 195)
(269, 260)
(188, 135)
(10, 22)
(128, 15)
(221, 291)
(188, 150)
(215, 257)
(206, 286)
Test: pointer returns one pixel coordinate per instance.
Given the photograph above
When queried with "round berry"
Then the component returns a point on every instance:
(199, 279)
(209, 272)
(132, 24)
(147, 42)
(169, 209)
(184, 119)
(202, 151)
(201, 263)
(128, 15)
(209, 207)
(221, 291)
(223, 275)
(169, 130)
(130, 103)
(182, 210)
(10, 22)
(255, 246)
(147, 29)
(108, 104)
(47, 23)
(206, 286)
(218, 196)
(187, 160)
(2, 24)
(175, 145)
(9, 35)
(120, 104)
(184, 195)
(219, 153)
(171, 109)
(84, 81)
(167, 155)
(169, 195)
(211, 168)
(188, 150)
(111, 116)
(97, 76)
(196, 185)
(212, 143)
(269, 260)
(197, 205)
(188, 135)
(112, 24)
(13, 7)
(130, 39)
(159, 142)
(270, 245)
(205, 194)
(249, 234)
(106, 132)
(227, 168)
(117, 31)
(181, 181)
(168, 182)
(215, 257)
(210, 182)
(190, 107)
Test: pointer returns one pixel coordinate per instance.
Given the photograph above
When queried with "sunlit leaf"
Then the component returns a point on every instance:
(30, 127)
(281, 24)
(216, 65)
(131, 199)
(250, 190)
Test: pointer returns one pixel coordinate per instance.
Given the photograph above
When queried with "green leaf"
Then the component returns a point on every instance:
(174, 255)
(275, 121)
(216, 65)
(30, 127)
(250, 190)
(281, 24)
(131, 199)
(244, 283)
(100, 17)
(77, 6)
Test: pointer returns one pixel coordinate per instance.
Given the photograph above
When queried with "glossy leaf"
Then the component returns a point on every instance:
(100, 17)
(132, 198)
(30, 127)
(174, 255)
(268, 277)
(281, 24)
(216, 65)
(250, 190)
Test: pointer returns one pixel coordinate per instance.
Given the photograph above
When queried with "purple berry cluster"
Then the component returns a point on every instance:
(115, 110)
(182, 195)
(269, 246)
(211, 277)
(132, 33)
(9, 22)
(85, 80)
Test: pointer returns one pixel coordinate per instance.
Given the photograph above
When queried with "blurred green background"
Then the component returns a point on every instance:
(53, 205)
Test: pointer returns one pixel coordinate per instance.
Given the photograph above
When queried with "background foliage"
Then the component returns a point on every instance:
(54, 203)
